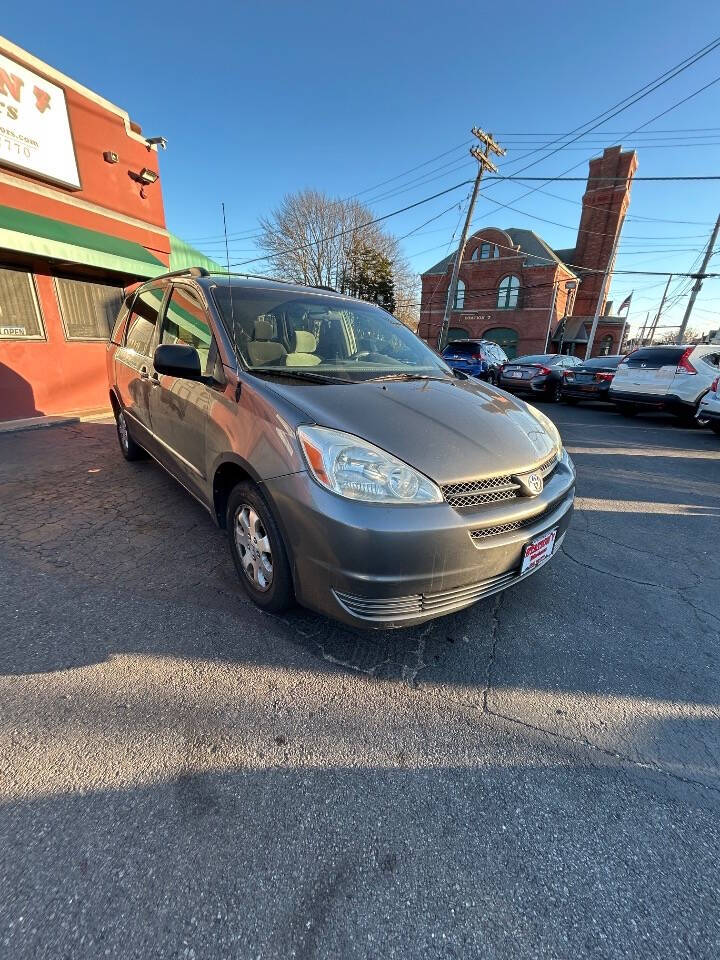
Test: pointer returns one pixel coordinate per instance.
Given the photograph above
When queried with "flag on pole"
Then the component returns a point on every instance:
(625, 305)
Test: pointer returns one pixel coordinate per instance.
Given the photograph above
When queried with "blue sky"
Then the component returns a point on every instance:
(261, 99)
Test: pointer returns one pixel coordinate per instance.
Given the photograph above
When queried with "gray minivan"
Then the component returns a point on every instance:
(353, 470)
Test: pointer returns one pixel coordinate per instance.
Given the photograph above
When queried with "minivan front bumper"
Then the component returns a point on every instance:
(377, 566)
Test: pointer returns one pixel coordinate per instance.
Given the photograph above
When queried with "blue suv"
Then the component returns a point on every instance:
(478, 358)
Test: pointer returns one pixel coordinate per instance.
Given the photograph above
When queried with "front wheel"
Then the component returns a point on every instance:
(258, 550)
(715, 427)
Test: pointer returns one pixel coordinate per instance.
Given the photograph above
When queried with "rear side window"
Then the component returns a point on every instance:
(656, 357)
(143, 320)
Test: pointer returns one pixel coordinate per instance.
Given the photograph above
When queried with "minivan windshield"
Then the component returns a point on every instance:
(334, 338)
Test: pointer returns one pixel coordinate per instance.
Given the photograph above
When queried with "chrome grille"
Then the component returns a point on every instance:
(493, 531)
(472, 493)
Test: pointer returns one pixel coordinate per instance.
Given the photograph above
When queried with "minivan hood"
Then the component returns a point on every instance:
(449, 430)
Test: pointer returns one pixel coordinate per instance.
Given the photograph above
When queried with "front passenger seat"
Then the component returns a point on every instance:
(304, 353)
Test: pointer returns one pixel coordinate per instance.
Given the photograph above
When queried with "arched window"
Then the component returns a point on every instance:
(457, 333)
(606, 345)
(508, 293)
(459, 296)
(504, 337)
(486, 251)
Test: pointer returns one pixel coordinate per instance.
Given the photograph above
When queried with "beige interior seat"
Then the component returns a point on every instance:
(262, 349)
(304, 353)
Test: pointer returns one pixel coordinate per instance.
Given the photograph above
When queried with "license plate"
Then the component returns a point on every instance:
(538, 551)
(516, 373)
(583, 377)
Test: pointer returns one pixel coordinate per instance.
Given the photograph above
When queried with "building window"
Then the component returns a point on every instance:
(457, 333)
(606, 345)
(459, 296)
(19, 309)
(508, 293)
(504, 337)
(486, 251)
(88, 310)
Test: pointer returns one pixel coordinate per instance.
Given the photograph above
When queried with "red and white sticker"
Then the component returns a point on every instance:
(538, 551)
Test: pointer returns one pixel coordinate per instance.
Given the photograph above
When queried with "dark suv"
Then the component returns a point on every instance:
(477, 358)
(352, 470)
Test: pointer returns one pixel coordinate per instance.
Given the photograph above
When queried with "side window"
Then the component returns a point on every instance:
(143, 320)
(118, 334)
(713, 359)
(186, 323)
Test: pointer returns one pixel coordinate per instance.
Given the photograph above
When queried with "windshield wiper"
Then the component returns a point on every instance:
(408, 376)
(300, 374)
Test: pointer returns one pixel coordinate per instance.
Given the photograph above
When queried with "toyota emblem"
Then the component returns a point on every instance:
(532, 484)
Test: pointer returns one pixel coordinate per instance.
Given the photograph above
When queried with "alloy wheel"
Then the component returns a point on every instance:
(253, 546)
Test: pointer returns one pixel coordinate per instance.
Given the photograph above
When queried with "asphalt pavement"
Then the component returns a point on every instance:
(182, 776)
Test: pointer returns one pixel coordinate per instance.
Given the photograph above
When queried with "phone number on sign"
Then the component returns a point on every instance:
(15, 149)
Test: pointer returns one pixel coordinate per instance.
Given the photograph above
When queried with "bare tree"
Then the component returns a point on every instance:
(315, 239)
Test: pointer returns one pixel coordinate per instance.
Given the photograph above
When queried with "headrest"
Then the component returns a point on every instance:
(263, 330)
(305, 342)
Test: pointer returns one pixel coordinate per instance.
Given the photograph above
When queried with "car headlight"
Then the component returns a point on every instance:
(354, 468)
(547, 425)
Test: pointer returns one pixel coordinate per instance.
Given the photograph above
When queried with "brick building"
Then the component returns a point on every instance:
(516, 290)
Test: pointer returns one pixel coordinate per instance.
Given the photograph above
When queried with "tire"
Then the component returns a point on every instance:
(129, 449)
(258, 550)
(571, 401)
(715, 427)
(626, 410)
(554, 393)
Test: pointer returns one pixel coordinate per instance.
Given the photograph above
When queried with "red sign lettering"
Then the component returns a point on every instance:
(42, 99)
(10, 85)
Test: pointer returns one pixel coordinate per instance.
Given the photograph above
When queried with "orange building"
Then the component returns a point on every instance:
(81, 218)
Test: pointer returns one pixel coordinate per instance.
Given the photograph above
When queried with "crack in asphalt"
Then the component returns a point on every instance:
(615, 576)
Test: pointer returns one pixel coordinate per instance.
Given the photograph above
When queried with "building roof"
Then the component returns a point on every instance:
(566, 255)
(537, 252)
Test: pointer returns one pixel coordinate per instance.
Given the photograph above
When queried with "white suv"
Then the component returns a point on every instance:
(668, 377)
(709, 409)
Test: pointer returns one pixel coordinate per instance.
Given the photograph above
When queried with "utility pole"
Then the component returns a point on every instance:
(484, 163)
(660, 309)
(698, 281)
(603, 292)
(641, 338)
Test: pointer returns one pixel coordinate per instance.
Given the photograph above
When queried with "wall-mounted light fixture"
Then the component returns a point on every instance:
(156, 142)
(147, 175)
(109, 156)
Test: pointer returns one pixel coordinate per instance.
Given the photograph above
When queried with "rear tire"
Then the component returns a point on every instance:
(554, 393)
(258, 550)
(715, 427)
(129, 449)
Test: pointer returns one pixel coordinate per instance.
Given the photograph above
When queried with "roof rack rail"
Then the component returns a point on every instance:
(186, 272)
(260, 276)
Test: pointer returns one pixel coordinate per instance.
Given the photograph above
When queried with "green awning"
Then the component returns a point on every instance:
(30, 233)
(182, 256)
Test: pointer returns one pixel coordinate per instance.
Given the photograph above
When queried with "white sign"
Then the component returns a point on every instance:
(35, 132)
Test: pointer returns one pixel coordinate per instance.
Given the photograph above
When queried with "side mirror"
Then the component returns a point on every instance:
(177, 360)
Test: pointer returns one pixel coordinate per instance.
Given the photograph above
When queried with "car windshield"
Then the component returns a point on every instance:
(547, 359)
(293, 332)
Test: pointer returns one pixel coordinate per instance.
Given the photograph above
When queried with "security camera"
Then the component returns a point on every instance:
(156, 141)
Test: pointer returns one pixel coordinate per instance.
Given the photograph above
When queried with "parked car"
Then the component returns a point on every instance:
(540, 375)
(709, 407)
(668, 377)
(374, 486)
(477, 358)
(590, 380)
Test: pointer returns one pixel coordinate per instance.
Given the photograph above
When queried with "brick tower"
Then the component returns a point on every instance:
(605, 204)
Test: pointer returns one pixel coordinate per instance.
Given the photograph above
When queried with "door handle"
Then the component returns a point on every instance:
(144, 375)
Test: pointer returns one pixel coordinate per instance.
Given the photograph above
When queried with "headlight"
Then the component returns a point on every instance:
(547, 424)
(358, 470)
